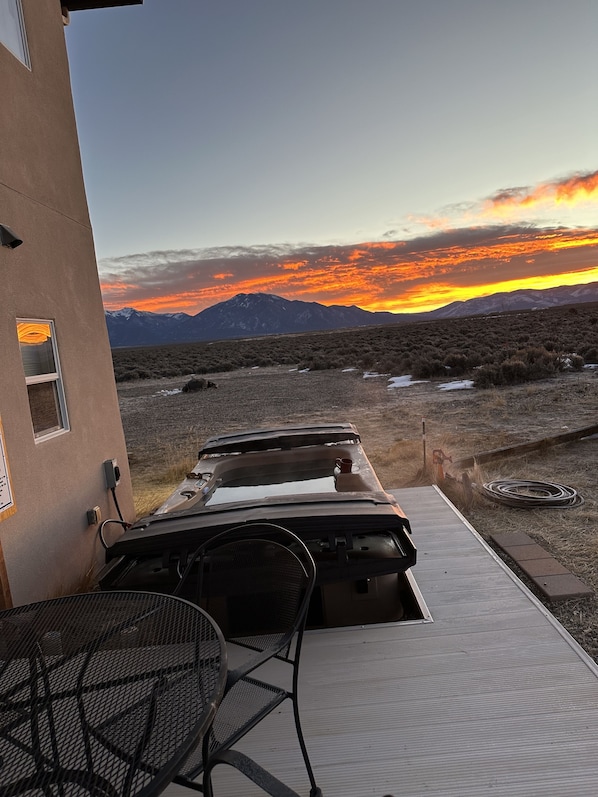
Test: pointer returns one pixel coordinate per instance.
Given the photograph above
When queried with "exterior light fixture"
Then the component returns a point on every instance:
(9, 238)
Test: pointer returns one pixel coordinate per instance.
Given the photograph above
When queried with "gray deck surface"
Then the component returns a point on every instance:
(492, 697)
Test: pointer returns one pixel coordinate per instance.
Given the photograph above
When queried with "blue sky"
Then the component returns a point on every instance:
(212, 130)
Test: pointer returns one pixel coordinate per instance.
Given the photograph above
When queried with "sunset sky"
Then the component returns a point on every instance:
(392, 154)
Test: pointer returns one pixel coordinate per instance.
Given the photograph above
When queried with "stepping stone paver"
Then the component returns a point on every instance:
(552, 578)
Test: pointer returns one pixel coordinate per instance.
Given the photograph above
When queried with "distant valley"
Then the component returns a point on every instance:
(259, 314)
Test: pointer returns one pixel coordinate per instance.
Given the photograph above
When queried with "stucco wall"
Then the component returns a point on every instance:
(47, 544)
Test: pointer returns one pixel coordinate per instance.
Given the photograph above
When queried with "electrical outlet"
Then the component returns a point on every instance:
(94, 516)
(111, 473)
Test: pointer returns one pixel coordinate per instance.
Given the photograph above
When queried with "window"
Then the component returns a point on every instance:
(37, 342)
(12, 29)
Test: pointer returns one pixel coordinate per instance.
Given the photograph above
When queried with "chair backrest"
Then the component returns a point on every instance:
(256, 581)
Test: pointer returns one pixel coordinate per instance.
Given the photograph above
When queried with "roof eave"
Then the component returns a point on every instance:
(86, 5)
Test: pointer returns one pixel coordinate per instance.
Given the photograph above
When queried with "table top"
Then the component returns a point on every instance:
(105, 693)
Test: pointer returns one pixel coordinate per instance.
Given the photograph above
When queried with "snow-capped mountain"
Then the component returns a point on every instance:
(245, 315)
(253, 314)
(130, 327)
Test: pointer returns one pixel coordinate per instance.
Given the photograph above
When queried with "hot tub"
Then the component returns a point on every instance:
(314, 480)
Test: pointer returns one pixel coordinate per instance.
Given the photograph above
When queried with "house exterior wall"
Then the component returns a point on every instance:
(46, 544)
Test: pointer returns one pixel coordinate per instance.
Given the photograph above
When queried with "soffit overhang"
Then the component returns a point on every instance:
(86, 5)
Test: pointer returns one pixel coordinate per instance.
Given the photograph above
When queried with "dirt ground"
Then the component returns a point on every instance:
(164, 429)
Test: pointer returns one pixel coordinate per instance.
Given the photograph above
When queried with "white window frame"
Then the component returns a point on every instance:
(53, 377)
(16, 43)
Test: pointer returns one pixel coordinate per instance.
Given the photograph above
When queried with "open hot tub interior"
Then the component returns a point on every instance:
(362, 578)
(385, 599)
(380, 599)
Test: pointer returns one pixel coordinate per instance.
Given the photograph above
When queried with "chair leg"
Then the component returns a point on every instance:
(315, 791)
(251, 770)
(187, 784)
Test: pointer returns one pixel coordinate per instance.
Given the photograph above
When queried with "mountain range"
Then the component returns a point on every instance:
(255, 314)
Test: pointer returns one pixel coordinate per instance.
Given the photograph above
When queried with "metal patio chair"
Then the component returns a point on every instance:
(256, 581)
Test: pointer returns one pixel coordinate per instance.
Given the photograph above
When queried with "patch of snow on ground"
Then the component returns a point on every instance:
(169, 392)
(591, 366)
(346, 370)
(461, 384)
(404, 381)
(371, 374)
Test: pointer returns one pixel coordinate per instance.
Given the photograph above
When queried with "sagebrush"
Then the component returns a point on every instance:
(506, 348)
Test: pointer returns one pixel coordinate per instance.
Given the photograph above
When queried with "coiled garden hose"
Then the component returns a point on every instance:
(530, 494)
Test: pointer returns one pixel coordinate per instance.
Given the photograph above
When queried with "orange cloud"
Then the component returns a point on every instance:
(406, 275)
(572, 190)
(431, 222)
(578, 188)
(293, 266)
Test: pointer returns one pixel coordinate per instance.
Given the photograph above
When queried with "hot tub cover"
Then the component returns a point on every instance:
(334, 522)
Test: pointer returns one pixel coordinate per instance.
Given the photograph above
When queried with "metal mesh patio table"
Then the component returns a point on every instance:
(104, 693)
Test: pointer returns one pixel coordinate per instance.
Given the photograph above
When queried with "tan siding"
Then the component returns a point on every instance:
(46, 543)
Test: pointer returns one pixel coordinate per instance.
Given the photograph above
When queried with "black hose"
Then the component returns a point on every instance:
(530, 494)
(115, 499)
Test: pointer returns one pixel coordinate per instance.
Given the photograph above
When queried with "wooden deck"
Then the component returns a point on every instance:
(491, 697)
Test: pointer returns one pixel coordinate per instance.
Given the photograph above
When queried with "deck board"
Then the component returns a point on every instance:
(492, 697)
